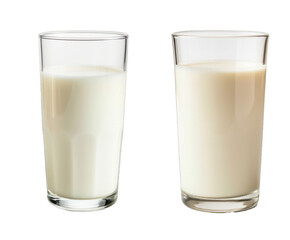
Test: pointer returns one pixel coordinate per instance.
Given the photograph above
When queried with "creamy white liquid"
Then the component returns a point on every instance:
(220, 120)
(83, 110)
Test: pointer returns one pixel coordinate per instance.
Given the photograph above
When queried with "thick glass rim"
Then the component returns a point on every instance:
(83, 35)
(219, 34)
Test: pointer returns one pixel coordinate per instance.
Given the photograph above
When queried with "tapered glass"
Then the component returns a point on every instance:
(220, 88)
(83, 78)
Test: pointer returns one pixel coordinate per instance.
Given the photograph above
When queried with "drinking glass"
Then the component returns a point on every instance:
(83, 77)
(220, 87)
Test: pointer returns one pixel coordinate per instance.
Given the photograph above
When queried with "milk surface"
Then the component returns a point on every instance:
(220, 119)
(83, 109)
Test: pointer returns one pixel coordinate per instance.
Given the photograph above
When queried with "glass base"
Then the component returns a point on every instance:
(82, 205)
(221, 205)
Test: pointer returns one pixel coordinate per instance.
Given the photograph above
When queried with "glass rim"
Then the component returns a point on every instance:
(83, 35)
(219, 34)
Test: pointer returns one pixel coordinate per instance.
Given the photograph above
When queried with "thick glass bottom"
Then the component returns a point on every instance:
(82, 205)
(221, 205)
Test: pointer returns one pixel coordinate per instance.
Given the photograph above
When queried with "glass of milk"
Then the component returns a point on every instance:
(220, 88)
(83, 78)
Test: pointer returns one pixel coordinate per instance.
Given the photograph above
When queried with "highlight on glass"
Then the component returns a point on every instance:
(83, 78)
(220, 88)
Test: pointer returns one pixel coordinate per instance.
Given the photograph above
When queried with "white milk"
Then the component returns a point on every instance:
(220, 120)
(83, 109)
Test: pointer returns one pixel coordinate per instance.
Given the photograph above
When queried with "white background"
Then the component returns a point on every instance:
(149, 204)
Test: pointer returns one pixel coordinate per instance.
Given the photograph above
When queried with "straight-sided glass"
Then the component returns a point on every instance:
(220, 86)
(83, 75)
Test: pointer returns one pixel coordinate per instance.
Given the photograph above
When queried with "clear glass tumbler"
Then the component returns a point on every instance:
(83, 78)
(220, 87)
